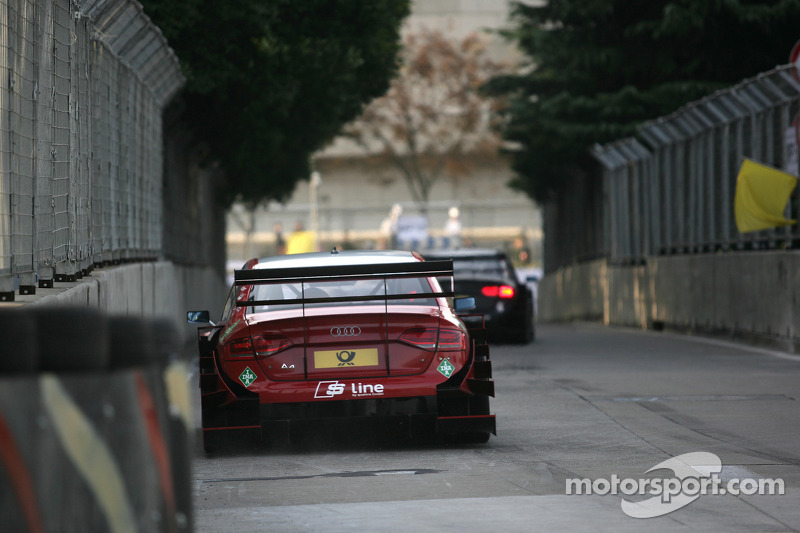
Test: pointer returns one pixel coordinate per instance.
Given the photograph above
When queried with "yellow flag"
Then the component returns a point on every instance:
(761, 196)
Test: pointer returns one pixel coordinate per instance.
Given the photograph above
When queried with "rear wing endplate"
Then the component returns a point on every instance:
(327, 273)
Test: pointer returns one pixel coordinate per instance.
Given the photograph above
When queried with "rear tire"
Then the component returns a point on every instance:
(474, 438)
(215, 441)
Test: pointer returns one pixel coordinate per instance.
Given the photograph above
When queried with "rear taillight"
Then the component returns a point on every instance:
(239, 348)
(452, 339)
(446, 339)
(495, 291)
(424, 338)
(267, 345)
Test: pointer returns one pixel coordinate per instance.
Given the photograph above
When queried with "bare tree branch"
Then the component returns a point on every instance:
(433, 115)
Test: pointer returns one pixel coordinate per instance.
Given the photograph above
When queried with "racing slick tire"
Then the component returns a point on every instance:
(475, 437)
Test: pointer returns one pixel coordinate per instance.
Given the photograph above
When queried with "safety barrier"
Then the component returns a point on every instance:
(670, 188)
(749, 296)
(83, 84)
(95, 423)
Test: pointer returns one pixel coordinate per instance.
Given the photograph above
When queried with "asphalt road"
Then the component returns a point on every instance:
(582, 402)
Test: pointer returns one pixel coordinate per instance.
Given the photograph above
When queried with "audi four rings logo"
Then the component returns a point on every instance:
(346, 331)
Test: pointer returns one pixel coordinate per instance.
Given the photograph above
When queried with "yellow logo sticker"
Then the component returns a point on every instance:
(346, 358)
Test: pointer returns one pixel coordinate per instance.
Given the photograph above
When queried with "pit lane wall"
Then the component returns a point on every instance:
(752, 296)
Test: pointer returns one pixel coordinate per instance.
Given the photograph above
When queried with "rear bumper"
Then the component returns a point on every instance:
(409, 417)
(386, 426)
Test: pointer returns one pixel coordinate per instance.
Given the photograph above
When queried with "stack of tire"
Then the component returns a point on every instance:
(91, 436)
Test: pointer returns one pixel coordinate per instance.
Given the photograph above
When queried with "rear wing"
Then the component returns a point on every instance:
(328, 273)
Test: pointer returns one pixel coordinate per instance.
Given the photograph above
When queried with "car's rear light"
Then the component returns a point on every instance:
(452, 339)
(494, 291)
(424, 338)
(446, 339)
(239, 347)
(267, 345)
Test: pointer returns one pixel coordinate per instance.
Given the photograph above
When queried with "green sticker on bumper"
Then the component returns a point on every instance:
(247, 377)
(446, 368)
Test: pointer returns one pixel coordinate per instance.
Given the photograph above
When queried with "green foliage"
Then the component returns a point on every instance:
(599, 68)
(269, 83)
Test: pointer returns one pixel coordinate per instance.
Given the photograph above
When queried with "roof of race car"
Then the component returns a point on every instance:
(344, 258)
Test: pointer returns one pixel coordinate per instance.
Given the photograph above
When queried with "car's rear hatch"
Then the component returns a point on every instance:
(368, 322)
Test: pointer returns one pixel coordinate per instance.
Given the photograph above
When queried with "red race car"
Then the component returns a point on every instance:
(365, 337)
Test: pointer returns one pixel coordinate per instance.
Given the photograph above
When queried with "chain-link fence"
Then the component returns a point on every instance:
(670, 188)
(82, 89)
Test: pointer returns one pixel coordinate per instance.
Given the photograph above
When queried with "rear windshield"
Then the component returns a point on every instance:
(481, 268)
(339, 289)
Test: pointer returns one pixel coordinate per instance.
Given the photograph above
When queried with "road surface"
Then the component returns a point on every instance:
(583, 402)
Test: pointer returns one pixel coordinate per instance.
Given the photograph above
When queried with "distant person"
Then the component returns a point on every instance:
(280, 241)
(301, 241)
(452, 229)
(388, 229)
(520, 253)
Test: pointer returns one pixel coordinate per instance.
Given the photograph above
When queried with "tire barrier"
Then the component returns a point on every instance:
(94, 423)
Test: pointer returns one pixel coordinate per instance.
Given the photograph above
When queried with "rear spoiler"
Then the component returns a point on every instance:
(416, 269)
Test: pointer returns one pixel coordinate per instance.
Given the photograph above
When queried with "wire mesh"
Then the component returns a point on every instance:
(83, 84)
(671, 188)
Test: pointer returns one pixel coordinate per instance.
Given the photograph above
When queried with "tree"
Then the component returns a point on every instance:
(269, 83)
(433, 115)
(598, 69)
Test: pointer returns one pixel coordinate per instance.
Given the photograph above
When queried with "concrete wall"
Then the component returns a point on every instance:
(755, 295)
(148, 290)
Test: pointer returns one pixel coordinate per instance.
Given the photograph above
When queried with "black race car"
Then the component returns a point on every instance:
(488, 275)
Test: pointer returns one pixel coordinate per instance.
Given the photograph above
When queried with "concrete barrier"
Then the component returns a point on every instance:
(95, 417)
(749, 295)
(94, 430)
(157, 290)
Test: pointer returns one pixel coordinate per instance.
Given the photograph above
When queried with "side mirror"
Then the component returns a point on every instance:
(466, 303)
(198, 317)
